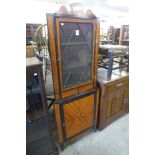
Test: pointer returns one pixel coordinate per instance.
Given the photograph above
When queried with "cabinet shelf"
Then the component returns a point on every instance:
(74, 67)
(74, 43)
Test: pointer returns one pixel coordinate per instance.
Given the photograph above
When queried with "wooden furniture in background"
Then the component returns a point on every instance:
(114, 100)
(124, 35)
(30, 32)
(31, 29)
(29, 51)
(112, 52)
(111, 37)
(39, 135)
(73, 44)
(117, 35)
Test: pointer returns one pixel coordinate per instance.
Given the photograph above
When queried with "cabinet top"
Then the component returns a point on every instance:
(74, 10)
(33, 61)
(102, 75)
(57, 15)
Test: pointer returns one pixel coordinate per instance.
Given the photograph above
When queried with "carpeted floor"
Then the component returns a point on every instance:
(113, 140)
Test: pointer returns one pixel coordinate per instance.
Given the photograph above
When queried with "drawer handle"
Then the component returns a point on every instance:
(119, 85)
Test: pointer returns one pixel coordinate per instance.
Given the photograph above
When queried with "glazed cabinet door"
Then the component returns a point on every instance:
(75, 43)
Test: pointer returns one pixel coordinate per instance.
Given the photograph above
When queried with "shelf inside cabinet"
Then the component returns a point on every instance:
(75, 66)
(74, 43)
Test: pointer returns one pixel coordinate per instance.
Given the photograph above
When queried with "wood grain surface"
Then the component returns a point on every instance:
(78, 115)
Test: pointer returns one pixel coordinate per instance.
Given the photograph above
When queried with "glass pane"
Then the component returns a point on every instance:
(37, 135)
(76, 52)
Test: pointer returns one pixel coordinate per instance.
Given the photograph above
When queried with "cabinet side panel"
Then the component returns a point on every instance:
(50, 24)
(96, 50)
(102, 107)
(97, 105)
(58, 122)
(126, 97)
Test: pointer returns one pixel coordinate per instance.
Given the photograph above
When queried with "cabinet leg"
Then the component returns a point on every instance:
(62, 146)
(94, 128)
(56, 152)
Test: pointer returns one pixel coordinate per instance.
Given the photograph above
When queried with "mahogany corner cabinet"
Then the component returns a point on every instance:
(73, 46)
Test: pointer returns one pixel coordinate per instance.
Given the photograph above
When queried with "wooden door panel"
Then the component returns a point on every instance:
(115, 102)
(119, 100)
(78, 115)
(108, 112)
(113, 107)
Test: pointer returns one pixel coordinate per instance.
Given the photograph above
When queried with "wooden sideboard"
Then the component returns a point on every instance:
(114, 100)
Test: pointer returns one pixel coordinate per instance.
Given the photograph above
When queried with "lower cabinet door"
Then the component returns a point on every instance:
(75, 116)
(78, 115)
(115, 103)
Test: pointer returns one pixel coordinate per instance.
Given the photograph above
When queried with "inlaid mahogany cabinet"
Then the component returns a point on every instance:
(73, 45)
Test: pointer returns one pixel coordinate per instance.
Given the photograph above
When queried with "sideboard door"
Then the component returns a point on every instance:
(115, 102)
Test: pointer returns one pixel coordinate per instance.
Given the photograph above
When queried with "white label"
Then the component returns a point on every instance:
(77, 32)
(35, 74)
(62, 24)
